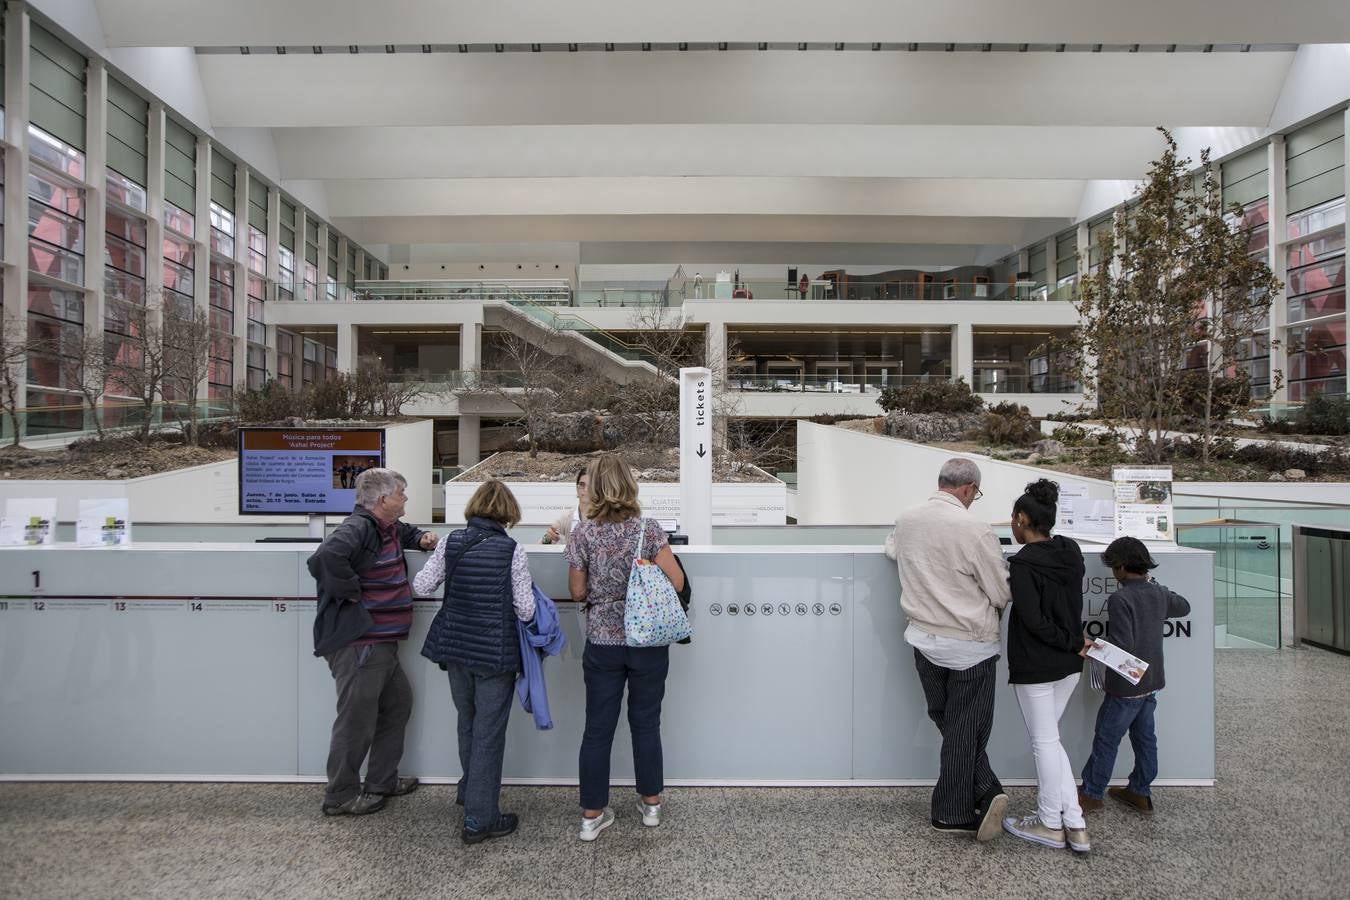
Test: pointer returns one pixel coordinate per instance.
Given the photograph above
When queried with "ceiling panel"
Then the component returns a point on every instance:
(742, 88)
(926, 230)
(886, 151)
(215, 23)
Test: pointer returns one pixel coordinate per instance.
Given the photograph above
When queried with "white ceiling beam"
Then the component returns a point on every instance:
(927, 230)
(814, 89)
(211, 22)
(865, 151)
(1027, 197)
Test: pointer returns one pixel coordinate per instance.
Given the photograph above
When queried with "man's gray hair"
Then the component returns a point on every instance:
(957, 472)
(372, 484)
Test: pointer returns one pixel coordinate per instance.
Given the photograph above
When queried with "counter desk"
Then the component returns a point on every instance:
(194, 661)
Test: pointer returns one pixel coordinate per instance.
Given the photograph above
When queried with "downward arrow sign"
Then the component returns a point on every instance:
(701, 452)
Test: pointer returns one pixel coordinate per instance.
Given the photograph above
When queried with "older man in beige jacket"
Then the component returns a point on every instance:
(953, 586)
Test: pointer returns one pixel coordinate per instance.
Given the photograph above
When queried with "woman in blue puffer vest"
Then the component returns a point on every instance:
(474, 637)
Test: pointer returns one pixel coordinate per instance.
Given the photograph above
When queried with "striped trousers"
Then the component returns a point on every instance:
(961, 705)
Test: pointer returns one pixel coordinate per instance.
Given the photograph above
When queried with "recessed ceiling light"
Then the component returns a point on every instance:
(500, 48)
(571, 48)
(388, 48)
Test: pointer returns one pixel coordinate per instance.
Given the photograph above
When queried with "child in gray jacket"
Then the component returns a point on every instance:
(1135, 614)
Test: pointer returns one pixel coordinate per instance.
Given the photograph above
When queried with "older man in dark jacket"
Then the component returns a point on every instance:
(365, 609)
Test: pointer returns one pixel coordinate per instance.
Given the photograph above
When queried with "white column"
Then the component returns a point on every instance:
(470, 440)
(963, 352)
(1279, 310)
(471, 344)
(273, 272)
(95, 199)
(323, 261)
(346, 347)
(241, 273)
(154, 204)
(15, 325)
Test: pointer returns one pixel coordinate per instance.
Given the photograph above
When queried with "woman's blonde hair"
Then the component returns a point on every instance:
(494, 500)
(611, 492)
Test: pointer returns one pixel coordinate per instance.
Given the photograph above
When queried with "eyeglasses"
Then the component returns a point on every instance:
(978, 493)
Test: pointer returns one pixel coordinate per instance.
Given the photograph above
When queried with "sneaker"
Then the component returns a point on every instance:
(651, 813)
(506, 824)
(1031, 828)
(1077, 839)
(949, 828)
(993, 813)
(1141, 802)
(591, 828)
(1089, 804)
(360, 805)
(401, 787)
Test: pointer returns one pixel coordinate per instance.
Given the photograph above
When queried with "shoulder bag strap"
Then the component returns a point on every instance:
(464, 548)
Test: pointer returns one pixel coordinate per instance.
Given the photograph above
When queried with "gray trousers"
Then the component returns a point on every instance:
(374, 702)
(483, 701)
(961, 705)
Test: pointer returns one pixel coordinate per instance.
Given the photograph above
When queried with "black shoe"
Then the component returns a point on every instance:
(506, 823)
(360, 805)
(962, 828)
(401, 787)
(459, 801)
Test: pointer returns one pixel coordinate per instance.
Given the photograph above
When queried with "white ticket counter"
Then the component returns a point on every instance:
(182, 661)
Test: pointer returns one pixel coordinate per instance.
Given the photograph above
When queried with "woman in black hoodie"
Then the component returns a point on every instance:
(1045, 636)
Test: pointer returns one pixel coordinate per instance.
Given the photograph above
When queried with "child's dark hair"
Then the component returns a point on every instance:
(1129, 554)
(1038, 504)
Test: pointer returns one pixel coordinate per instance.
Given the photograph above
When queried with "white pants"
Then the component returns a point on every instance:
(1057, 791)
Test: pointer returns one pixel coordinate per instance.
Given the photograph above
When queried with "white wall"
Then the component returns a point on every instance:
(1318, 78)
(853, 478)
(541, 503)
(209, 494)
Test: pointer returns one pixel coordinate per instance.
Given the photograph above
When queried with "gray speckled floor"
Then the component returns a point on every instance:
(1276, 825)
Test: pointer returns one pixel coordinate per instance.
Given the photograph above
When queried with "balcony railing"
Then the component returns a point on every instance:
(1028, 384)
(875, 384)
(935, 290)
(556, 292)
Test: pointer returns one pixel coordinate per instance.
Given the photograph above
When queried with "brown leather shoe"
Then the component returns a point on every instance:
(1140, 802)
(1089, 804)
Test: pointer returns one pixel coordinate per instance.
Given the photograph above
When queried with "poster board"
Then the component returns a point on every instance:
(304, 471)
(1143, 497)
(1078, 514)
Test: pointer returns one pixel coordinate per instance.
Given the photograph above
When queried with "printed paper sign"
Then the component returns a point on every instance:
(1079, 514)
(1143, 497)
(104, 522)
(30, 521)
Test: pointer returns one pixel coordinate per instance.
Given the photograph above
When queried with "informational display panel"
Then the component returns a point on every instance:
(304, 471)
(696, 452)
(1144, 502)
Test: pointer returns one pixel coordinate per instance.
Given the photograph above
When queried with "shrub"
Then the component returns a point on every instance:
(332, 398)
(931, 397)
(1277, 458)
(1321, 414)
(273, 403)
(1009, 423)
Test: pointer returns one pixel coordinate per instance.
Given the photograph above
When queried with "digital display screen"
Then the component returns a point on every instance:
(304, 471)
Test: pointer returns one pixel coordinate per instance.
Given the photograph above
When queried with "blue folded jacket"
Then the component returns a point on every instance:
(541, 636)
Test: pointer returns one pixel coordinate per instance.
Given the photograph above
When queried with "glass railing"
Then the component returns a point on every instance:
(824, 384)
(68, 423)
(1249, 589)
(560, 320)
(538, 290)
(860, 289)
(1027, 384)
(618, 297)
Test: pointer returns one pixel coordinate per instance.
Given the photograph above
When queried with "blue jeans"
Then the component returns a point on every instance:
(483, 701)
(1116, 716)
(607, 669)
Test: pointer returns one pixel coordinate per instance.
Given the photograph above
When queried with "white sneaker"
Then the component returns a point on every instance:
(591, 828)
(1031, 828)
(651, 813)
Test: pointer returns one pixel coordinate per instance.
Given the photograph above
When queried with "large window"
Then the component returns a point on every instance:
(311, 269)
(286, 358)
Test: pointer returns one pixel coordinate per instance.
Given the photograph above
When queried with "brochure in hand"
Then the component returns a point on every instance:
(1126, 665)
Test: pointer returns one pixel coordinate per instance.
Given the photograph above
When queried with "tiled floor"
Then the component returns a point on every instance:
(1277, 825)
